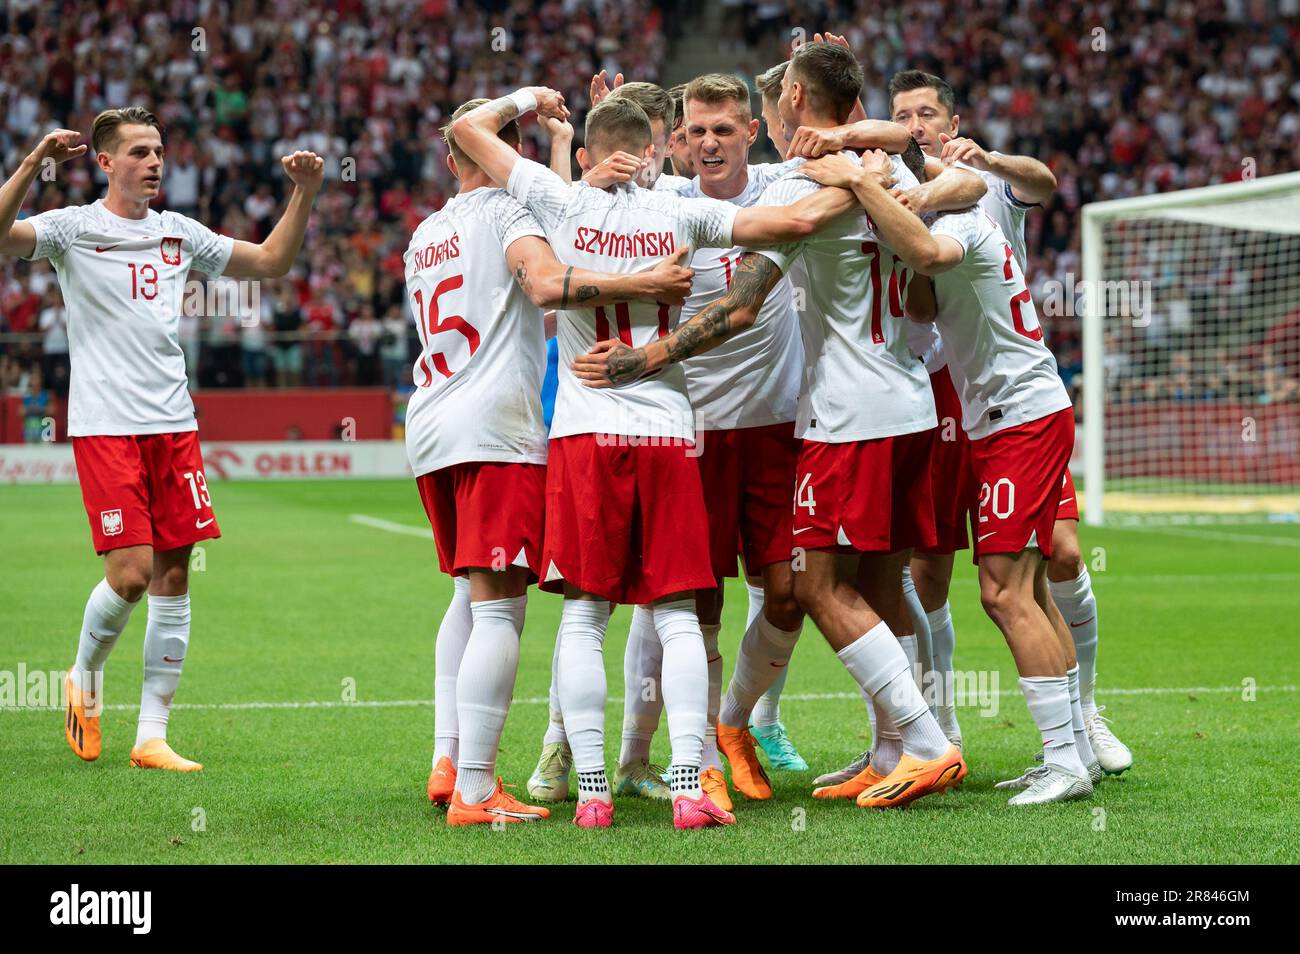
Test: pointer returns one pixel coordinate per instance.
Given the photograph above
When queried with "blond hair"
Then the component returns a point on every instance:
(106, 132)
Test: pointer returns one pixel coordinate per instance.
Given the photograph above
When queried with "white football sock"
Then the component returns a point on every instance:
(166, 640)
(685, 780)
(709, 757)
(924, 649)
(582, 688)
(763, 656)
(1048, 698)
(643, 700)
(1079, 607)
(767, 711)
(942, 645)
(102, 623)
(453, 636)
(886, 743)
(484, 687)
(1081, 742)
(685, 679)
(877, 661)
(757, 599)
(555, 723)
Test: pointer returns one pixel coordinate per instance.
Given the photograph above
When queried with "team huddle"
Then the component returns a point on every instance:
(824, 369)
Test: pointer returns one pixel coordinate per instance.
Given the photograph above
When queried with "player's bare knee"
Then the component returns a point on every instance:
(129, 579)
(1066, 562)
(171, 580)
(783, 611)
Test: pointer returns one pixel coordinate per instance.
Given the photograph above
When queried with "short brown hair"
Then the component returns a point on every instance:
(617, 122)
(831, 75)
(908, 80)
(509, 132)
(714, 88)
(653, 100)
(106, 131)
(769, 82)
(679, 104)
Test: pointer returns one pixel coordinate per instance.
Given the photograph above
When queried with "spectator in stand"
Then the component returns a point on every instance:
(36, 409)
(394, 348)
(286, 353)
(364, 334)
(55, 365)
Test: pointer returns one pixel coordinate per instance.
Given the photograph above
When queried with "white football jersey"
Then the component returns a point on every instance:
(752, 379)
(124, 284)
(478, 379)
(1007, 211)
(1003, 372)
(862, 380)
(620, 230)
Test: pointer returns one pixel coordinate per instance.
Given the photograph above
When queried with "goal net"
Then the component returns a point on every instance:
(1191, 355)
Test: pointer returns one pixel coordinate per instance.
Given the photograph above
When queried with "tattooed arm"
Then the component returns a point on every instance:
(612, 363)
(551, 284)
(476, 131)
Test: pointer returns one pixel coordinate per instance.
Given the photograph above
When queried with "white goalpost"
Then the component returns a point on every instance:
(1191, 355)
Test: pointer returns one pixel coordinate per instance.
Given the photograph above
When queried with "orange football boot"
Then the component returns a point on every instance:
(715, 786)
(81, 730)
(914, 778)
(157, 754)
(867, 778)
(499, 806)
(442, 781)
(737, 746)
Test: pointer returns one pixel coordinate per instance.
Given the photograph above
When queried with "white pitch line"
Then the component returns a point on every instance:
(404, 529)
(1174, 578)
(1217, 535)
(618, 700)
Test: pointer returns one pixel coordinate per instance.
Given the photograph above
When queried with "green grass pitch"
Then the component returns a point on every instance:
(298, 602)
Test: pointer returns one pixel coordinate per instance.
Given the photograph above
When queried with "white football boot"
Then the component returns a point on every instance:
(1050, 783)
(852, 770)
(1113, 754)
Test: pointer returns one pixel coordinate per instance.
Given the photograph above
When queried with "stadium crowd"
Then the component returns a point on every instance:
(1207, 92)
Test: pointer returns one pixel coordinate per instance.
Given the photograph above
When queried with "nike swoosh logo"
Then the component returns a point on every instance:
(1075, 625)
(200, 524)
(97, 639)
(526, 816)
(987, 535)
(173, 659)
(801, 530)
(1066, 500)
(106, 248)
(778, 665)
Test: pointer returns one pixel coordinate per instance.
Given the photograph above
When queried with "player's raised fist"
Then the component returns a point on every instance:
(811, 143)
(306, 169)
(550, 103)
(60, 145)
(964, 150)
(556, 128)
(671, 277)
(600, 87)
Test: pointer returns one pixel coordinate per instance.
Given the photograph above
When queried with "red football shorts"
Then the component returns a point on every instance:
(865, 496)
(623, 522)
(145, 489)
(1069, 506)
(950, 473)
(486, 514)
(748, 474)
(1019, 472)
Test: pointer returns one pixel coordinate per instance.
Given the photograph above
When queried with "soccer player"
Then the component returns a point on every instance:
(926, 105)
(122, 267)
(679, 150)
(642, 697)
(625, 512)
(866, 420)
(1021, 427)
(478, 273)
